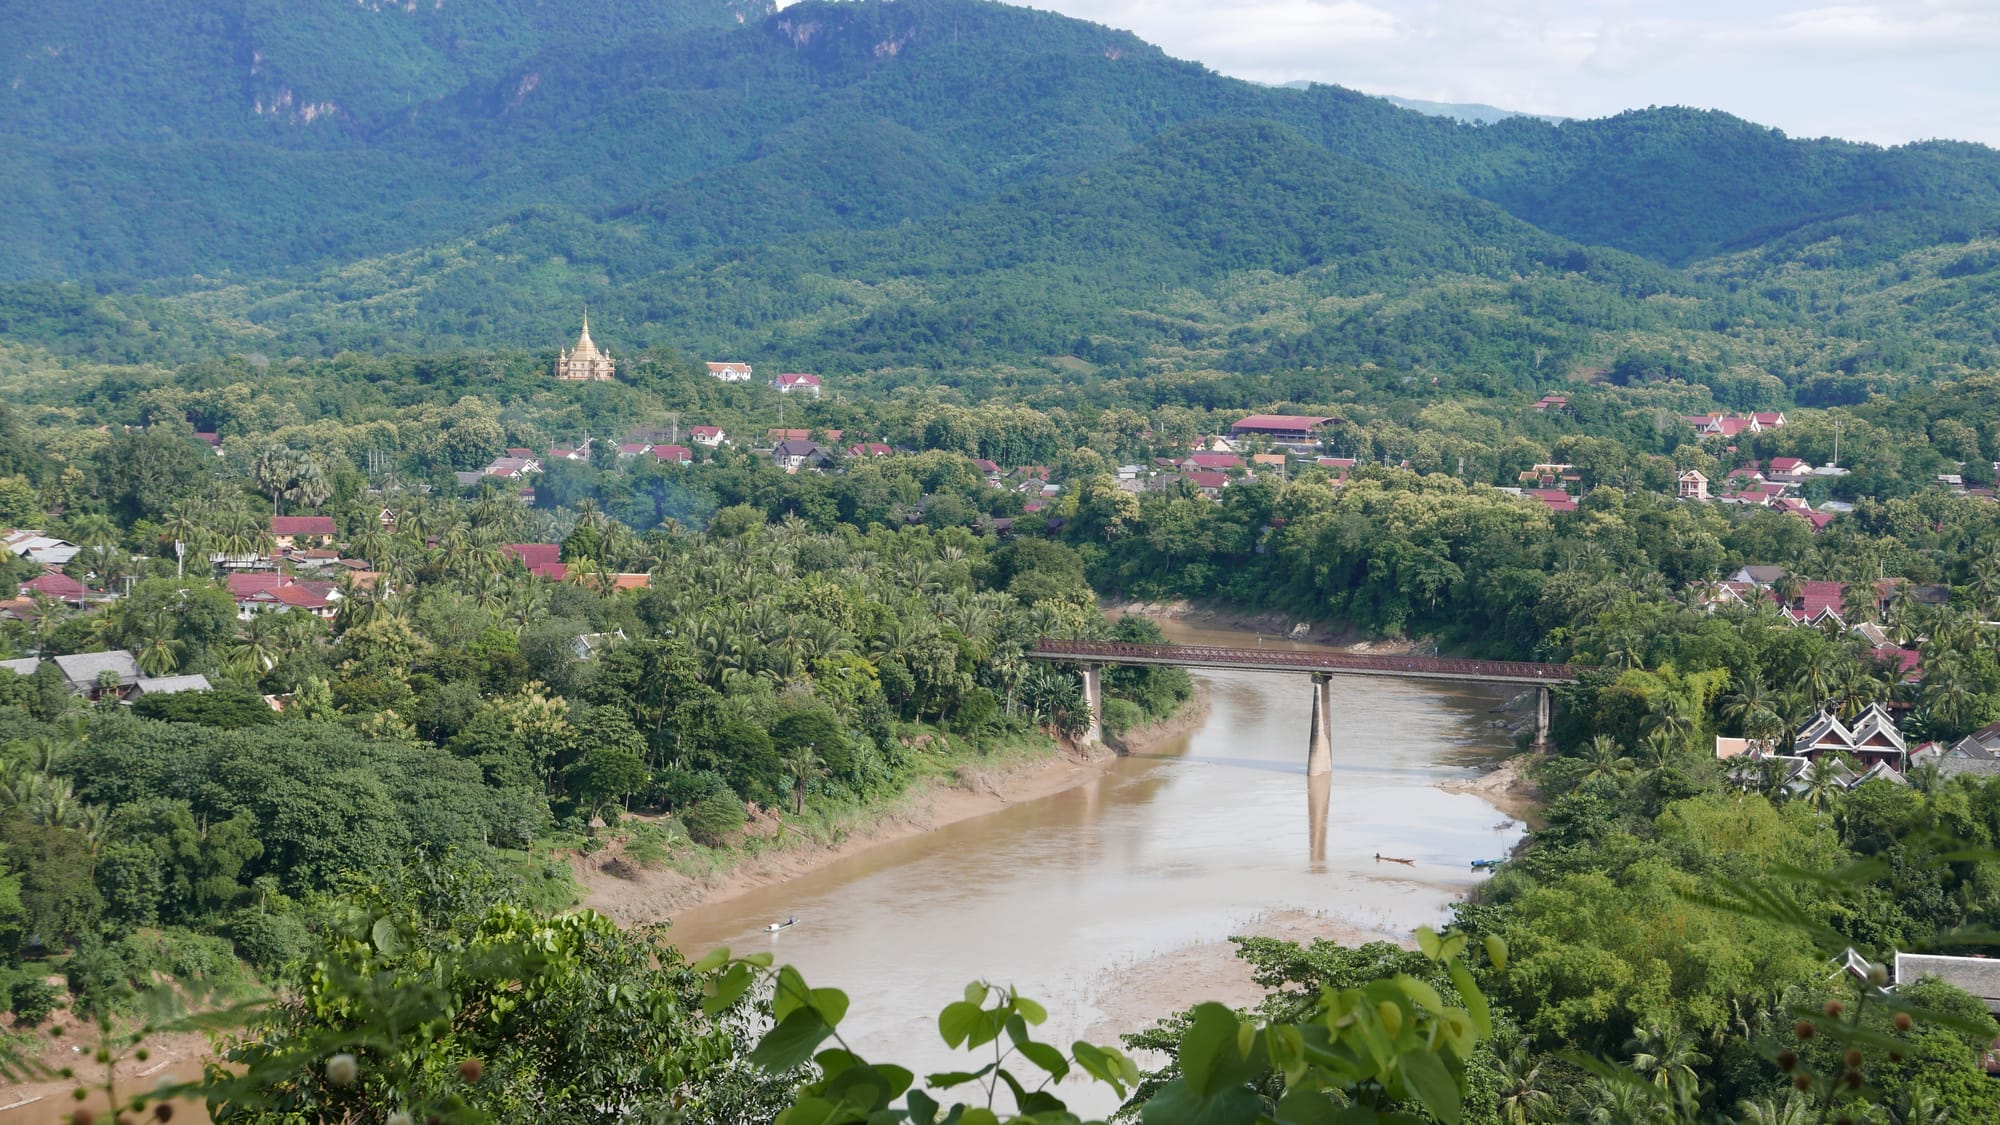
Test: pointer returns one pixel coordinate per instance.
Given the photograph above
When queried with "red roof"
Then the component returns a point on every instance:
(1769, 418)
(1555, 498)
(1215, 461)
(303, 525)
(985, 465)
(533, 555)
(296, 594)
(244, 583)
(677, 453)
(1786, 464)
(1204, 480)
(632, 448)
(868, 449)
(705, 431)
(554, 572)
(54, 584)
(798, 380)
(1281, 423)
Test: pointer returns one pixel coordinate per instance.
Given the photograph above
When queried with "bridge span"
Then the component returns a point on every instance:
(1321, 666)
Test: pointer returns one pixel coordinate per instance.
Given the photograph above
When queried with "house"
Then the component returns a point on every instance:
(294, 531)
(316, 598)
(1979, 976)
(1557, 403)
(774, 436)
(1693, 485)
(1269, 461)
(113, 674)
(543, 560)
(170, 685)
(1759, 575)
(56, 585)
(1790, 468)
(804, 384)
(39, 548)
(210, 439)
(1301, 428)
(565, 453)
(869, 449)
(1873, 739)
(710, 436)
(730, 372)
(1215, 443)
(511, 467)
(1210, 483)
(632, 449)
(1556, 499)
(792, 456)
(673, 454)
(1211, 462)
(95, 675)
(590, 644)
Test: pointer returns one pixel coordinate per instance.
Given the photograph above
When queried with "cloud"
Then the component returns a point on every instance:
(1872, 71)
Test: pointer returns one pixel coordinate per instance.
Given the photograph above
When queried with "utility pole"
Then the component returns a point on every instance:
(1836, 443)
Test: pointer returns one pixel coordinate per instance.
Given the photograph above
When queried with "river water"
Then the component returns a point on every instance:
(1066, 896)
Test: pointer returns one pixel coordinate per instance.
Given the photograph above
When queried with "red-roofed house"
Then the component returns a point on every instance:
(676, 454)
(55, 584)
(1553, 402)
(1211, 484)
(869, 449)
(710, 436)
(1556, 499)
(294, 531)
(533, 555)
(1789, 466)
(1283, 427)
(241, 584)
(1769, 421)
(804, 384)
(633, 448)
(730, 372)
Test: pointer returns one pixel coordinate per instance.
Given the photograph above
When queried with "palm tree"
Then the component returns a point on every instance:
(160, 649)
(1522, 1099)
(1823, 784)
(804, 767)
(1788, 588)
(1859, 602)
(1607, 761)
(1672, 719)
(1622, 1103)
(1768, 1110)
(1668, 1057)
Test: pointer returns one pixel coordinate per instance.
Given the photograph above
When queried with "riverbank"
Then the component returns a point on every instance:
(631, 894)
(1506, 787)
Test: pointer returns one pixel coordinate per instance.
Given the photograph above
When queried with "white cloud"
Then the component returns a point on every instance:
(1885, 72)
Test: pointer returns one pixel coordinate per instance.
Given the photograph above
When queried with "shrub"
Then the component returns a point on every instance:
(1121, 715)
(268, 941)
(32, 1001)
(714, 819)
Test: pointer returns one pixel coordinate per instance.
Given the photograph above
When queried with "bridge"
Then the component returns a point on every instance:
(1321, 666)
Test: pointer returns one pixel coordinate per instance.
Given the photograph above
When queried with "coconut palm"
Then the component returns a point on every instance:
(1606, 759)
(1523, 1101)
(1668, 1057)
(1824, 784)
(803, 766)
(1769, 1110)
(160, 647)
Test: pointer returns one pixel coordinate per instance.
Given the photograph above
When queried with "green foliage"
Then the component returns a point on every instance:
(714, 820)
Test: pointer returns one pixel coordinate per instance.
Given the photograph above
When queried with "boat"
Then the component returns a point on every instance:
(1485, 864)
(776, 926)
(1380, 858)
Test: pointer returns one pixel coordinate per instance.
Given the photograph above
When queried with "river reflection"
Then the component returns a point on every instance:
(1179, 846)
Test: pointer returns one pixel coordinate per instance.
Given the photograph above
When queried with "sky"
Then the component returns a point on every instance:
(1881, 72)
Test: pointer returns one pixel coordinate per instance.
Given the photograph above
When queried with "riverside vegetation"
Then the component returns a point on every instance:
(999, 240)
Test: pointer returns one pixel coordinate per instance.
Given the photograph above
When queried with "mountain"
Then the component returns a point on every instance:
(875, 182)
(1474, 112)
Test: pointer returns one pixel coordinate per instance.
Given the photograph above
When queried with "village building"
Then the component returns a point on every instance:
(39, 548)
(289, 532)
(1300, 429)
(710, 436)
(803, 384)
(584, 363)
(113, 674)
(793, 455)
(673, 454)
(730, 372)
(1693, 485)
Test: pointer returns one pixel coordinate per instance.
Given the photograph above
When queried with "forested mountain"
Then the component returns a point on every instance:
(882, 183)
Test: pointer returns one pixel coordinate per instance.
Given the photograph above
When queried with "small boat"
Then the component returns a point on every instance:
(1484, 864)
(1380, 858)
(776, 926)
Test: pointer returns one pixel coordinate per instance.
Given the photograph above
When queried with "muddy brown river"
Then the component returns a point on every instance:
(1072, 897)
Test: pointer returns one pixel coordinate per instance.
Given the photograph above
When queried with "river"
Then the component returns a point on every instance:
(1125, 885)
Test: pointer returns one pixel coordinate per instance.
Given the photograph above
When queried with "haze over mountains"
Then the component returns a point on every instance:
(888, 182)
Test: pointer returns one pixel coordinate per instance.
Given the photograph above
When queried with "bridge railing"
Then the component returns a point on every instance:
(1292, 660)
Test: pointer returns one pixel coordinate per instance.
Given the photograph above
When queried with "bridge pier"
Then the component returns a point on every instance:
(1319, 746)
(1544, 712)
(1093, 701)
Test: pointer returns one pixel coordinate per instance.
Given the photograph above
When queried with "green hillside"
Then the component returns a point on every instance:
(924, 183)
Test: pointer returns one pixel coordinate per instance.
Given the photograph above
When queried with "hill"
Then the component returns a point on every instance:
(850, 180)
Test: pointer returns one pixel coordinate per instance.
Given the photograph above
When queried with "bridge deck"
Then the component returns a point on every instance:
(1289, 660)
